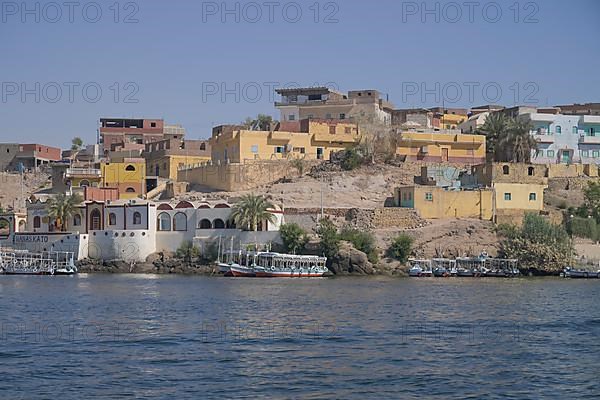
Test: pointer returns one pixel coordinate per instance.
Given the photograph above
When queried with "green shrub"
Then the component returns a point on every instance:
(294, 237)
(187, 252)
(329, 238)
(538, 243)
(563, 205)
(363, 241)
(401, 247)
(351, 159)
(210, 253)
(583, 227)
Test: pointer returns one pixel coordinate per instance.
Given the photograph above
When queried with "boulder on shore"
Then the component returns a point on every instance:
(350, 261)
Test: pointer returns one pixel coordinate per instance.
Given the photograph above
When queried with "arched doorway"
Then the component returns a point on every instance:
(95, 220)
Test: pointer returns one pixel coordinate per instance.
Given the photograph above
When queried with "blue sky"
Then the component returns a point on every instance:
(177, 57)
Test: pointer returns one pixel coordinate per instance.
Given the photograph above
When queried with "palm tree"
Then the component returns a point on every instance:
(61, 207)
(250, 210)
(493, 128)
(516, 143)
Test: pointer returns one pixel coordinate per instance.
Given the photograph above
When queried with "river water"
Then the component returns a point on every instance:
(174, 337)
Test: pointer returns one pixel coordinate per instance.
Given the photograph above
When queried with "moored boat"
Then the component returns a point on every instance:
(23, 262)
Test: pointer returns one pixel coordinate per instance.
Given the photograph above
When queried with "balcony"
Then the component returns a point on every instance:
(543, 138)
(583, 139)
(83, 172)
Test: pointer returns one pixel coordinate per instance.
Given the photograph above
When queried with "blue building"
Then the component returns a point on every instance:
(565, 139)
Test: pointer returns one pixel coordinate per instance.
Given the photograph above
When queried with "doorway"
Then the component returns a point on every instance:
(444, 155)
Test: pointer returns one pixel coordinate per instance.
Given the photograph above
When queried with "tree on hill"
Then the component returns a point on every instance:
(251, 210)
(262, 122)
(508, 139)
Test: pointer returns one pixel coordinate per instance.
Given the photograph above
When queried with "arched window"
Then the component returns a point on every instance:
(505, 170)
(180, 222)
(203, 146)
(205, 224)
(164, 222)
(222, 205)
(76, 220)
(130, 190)
(530, 171)
(95, 220)
(558, 129)
(84, 183)
(137, 218)
(130, 168)
(218, 224)
(532, 197)
(112, 219)
(37, 222)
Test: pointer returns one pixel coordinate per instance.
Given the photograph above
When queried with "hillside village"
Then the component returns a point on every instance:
(450, 179)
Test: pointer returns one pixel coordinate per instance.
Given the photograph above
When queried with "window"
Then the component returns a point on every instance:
(310, 116)
(558, 129)
(279, 149)
(327, 116)
(254, 148)
(575, 129)
(595, 153)
(137, 218)
(153, 124)
(130, 190)
(585, 153)
(347, 130)
(428, 196)
(77, 220)
(531, 171)
(292, 117)
(205, 224)
(203, 146)
(37, 222)
(506, 170)
(218, 224)
(540, 153)
(180, 222)
(332, 130)
(592, 131)
(550, 153)
(112, 219)
(532, 197)
(342, 116)
(507, 196)
(130, 168)
(84, 183)
(300, 150)
(164, 222)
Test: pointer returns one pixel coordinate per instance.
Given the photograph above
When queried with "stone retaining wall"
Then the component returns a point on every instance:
(358, 218)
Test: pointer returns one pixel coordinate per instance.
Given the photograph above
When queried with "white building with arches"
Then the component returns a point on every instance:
(131, 230)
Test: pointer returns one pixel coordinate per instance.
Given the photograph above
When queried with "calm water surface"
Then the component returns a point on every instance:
(172, 337)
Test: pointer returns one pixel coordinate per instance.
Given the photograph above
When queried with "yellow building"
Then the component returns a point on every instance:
(519, 196)
(316, 140)
(434, 202)
(441, 147)
(168, 165)
(128, 176)
(451, 121)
